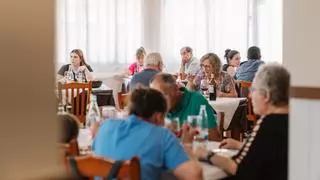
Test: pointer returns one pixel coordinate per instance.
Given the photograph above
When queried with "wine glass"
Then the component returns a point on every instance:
(204, 85)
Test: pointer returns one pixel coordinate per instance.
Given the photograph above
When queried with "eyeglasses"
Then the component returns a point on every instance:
(205, 66)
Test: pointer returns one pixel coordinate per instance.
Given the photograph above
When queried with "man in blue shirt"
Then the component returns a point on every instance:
(141, 135)
(248, 69)
(152, 65)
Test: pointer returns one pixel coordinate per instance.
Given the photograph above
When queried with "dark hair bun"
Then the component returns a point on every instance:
(226, 52)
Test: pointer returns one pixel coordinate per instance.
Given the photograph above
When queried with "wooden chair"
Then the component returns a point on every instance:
(244, 91)
(123, 100)
(92, 166)
(220, 118)
(69, 149)
(80, 97)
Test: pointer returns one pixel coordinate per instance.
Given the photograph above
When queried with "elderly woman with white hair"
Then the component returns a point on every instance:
(153, 64)
(265, 153)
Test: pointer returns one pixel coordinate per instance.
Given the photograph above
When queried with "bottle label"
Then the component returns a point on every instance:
(211, 89)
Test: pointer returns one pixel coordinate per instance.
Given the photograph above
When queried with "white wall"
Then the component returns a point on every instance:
(301, 44)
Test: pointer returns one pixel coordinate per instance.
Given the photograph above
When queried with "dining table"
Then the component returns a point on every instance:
(227, 105)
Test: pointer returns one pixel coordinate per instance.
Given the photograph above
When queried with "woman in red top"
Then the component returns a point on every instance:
(138, 65)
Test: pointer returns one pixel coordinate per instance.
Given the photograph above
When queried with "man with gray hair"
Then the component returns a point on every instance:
(152, 65)
(189, 64)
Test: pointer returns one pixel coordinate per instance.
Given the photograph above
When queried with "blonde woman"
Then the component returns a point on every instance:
(211, 67)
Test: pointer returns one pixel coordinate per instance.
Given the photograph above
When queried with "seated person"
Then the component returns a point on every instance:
(77, 66)
(183, 102)
(211, 67)
(265, 154)
(70, 127)
(233, 62)
(138, 65)
(248, 69)
(141, 135)
(189, 63)
(152, 65)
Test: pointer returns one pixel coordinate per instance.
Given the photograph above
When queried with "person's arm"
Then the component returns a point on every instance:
(177, 160)
(182, 67)
(190, 84)
(60, 74)
(231, 144)
(229, 82)
(87, 72)
(131, 69)
(226, 164)
(188, 170)
(89, 75)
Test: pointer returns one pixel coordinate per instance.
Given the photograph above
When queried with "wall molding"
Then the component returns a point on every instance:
(305, 92)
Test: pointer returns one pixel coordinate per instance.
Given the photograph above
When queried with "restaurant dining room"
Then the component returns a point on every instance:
(160, 89)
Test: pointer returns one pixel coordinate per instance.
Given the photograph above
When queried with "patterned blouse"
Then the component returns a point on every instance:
(225, 82)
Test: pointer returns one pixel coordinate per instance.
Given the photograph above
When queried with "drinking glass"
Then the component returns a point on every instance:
(204, 85)
(197, 123)
(173, 125)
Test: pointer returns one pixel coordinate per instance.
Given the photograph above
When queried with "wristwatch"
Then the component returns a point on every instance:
(209, 156)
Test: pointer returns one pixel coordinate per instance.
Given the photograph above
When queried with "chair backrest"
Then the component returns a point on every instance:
(123, 100)
(244, 89)
(220, 118)
(69, 149)
(79, 94)
(93, 166)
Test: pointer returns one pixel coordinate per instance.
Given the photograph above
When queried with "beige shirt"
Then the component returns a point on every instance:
(191, 67)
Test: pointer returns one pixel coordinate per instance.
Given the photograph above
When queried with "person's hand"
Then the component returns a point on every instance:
(82, 68)
(231, 71)
(230, 144)
(188, 133)
(201, 153)
(173, 126)
(183, 76)
(190, 77)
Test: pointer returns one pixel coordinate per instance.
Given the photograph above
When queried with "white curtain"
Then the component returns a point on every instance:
(204, 25)
(269, 29)
(108, 31)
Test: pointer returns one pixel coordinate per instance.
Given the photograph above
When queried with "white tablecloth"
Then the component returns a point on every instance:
(228, 106)
(212, 172)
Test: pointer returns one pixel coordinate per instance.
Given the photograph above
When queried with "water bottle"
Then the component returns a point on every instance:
(204, 122)
(93, 115)
(80, 77)
(70, 76)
